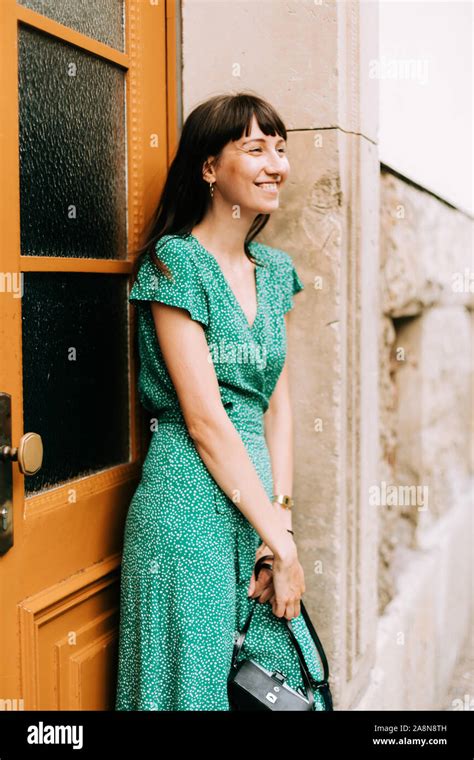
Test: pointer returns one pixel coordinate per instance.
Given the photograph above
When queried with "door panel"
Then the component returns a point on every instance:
(79, 375)
(107, 26)
(87, 98)
(72, 150)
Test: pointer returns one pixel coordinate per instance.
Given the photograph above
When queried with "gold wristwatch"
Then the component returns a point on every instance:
(285, 501)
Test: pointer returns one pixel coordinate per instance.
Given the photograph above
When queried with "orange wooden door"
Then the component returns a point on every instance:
(85, 140)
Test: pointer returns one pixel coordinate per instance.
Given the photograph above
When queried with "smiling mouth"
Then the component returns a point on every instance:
(268, 187)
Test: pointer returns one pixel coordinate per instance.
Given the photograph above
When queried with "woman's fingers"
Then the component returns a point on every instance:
(262, 593)
(288, 610)
(292, 610)
(263, 581)
(251, 587)
(266, 594)
(279, 607)
(257, 585)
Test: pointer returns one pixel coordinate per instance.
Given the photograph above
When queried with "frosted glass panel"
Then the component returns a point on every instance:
(101, 19)
(75, 373)
(72, 151)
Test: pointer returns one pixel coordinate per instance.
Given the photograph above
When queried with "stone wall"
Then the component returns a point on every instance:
(425, 570)
(427, 291)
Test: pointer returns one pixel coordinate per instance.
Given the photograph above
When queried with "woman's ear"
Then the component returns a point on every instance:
(208, 173)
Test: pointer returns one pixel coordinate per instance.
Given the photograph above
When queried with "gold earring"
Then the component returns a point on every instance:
(211, 189)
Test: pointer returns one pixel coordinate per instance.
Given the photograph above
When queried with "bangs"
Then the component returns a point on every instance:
(235, 115)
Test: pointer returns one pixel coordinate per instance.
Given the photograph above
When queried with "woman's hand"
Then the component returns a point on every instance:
(289, 586)
(263, 586)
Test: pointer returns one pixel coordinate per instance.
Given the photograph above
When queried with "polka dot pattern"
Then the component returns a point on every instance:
(188, 550)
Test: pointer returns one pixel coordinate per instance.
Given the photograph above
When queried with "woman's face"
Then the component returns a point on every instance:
(246, 166)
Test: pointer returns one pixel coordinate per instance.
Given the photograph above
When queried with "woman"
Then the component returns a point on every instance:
(212, 326)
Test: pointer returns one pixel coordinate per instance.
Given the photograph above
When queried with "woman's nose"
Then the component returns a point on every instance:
(273, 170)
(274, 165)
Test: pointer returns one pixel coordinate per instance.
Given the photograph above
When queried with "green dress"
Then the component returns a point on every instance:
(188, 551)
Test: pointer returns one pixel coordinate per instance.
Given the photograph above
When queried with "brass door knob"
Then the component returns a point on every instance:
(29, 453)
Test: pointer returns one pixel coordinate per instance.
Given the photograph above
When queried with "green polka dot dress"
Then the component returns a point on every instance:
(188, 551)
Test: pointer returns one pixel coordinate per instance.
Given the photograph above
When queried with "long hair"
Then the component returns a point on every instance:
(185, 197)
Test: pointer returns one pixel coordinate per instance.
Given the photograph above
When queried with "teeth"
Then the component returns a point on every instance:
(268, 185)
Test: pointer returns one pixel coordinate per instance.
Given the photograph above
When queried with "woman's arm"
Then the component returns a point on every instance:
(185, 352)
(278, 420)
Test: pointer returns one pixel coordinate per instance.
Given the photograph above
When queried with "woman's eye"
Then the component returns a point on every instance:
(281, 150)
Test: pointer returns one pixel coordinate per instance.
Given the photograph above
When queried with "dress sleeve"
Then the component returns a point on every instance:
(291, 283)
(185, 289)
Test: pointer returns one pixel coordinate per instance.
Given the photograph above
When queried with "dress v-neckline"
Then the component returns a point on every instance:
(229, 289)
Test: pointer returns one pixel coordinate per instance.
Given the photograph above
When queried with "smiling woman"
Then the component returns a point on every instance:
(204, 511)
